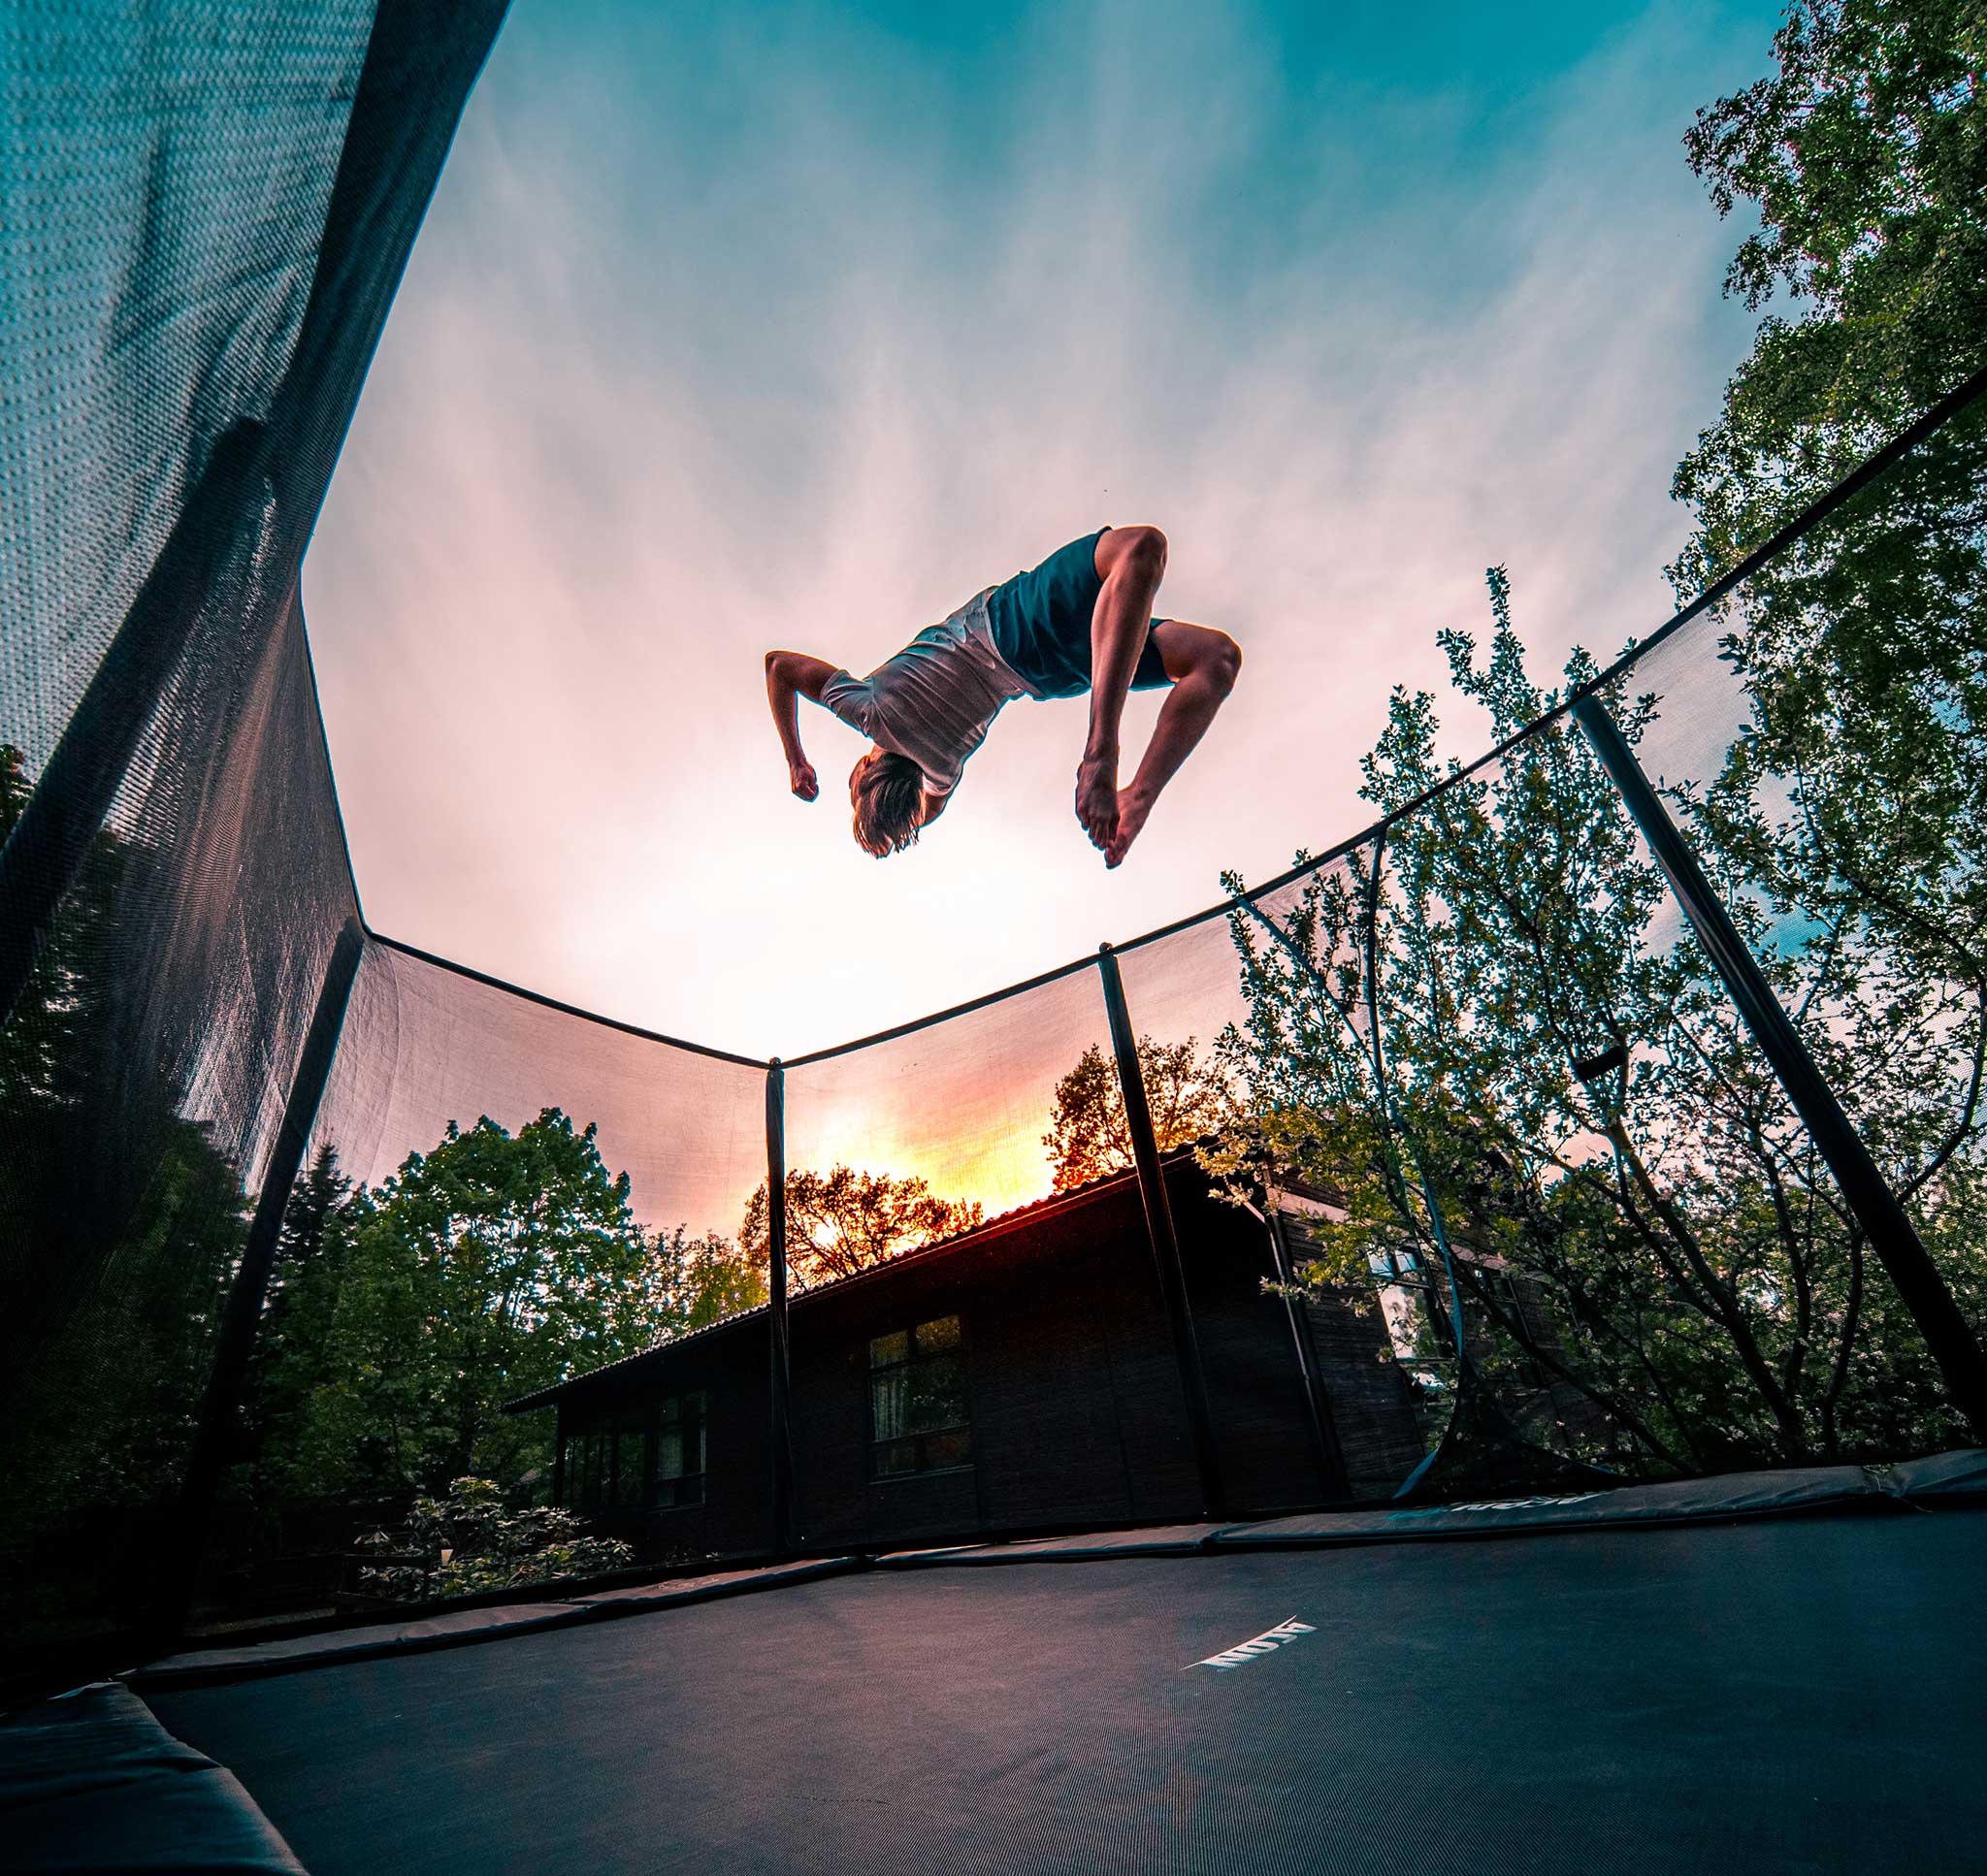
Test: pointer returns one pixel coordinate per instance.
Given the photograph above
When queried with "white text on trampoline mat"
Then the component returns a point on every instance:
(1267, 1643)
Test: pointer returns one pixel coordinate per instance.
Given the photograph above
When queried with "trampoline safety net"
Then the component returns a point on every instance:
(1465, 1159)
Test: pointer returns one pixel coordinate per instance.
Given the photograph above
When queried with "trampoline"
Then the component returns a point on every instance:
(1637, 1379)
(1778, 1690)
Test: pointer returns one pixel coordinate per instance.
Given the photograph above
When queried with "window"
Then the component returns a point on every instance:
(586, 1456)
(631, 1437)
(650, 1458)
(918, 1401)
(679, 1450)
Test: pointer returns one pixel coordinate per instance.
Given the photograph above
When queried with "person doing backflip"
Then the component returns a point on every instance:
(1082, 621)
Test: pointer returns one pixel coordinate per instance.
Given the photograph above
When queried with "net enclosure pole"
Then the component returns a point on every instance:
(1884, 1220)
(780, 1376)
(1165, 1242)
(220, 1408)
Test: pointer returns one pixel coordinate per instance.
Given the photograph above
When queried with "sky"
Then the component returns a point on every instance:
(794, 326)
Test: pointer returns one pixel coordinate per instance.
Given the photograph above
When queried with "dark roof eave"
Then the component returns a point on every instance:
(1006, 1222)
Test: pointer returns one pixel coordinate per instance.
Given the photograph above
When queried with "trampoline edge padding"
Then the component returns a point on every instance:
(92, 1782)
(1959, 1474)
(1683, 1500)
(1948, 1477)
(458, 1627)
(1945, 1478)
(1155, 1540)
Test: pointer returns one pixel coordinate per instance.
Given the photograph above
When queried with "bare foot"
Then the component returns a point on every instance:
(1097, 798)
(1132, 810)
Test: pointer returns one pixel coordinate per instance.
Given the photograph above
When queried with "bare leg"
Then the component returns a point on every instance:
(1132, 562)
(1203, 664)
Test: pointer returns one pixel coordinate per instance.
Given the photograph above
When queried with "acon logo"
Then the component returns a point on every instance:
(1267, 1643)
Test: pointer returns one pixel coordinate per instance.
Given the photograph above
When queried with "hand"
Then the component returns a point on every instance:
(801, 778)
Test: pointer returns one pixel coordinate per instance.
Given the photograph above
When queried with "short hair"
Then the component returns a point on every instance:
(888, 799)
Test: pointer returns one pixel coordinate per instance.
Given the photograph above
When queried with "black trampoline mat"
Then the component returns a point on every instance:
(1793, 1696)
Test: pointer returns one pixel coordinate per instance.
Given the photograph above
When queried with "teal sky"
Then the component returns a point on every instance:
(797, 325)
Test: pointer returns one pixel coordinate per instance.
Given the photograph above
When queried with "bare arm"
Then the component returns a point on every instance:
(789, 677)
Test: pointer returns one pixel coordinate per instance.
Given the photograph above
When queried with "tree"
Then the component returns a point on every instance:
(1854, 806)
(495, 1265)
(1637, 1225)
(1521, 1047)
(843, 1221)
(293, 1356)
(1087, 1138)
(703, 1279)
(1865, 156)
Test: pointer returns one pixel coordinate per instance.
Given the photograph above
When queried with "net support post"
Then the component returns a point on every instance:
(780, 1378)
(1165, 1242)
(1883, 1219)
(213, 1438)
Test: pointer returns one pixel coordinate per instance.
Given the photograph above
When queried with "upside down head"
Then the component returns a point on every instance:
(887, 791)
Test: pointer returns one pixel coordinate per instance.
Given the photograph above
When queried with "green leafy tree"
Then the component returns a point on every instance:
(1087, 1137)
(703, 1279)
(495, 1265)
(1854, 806)
(1865, 155)
(293, 1358)
(1856, 800)
(843, 1221)
(1655, 1267)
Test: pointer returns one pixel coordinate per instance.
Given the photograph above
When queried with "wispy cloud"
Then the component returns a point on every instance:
(796, 333)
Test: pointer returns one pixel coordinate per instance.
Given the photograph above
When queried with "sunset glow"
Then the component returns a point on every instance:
(718, 339)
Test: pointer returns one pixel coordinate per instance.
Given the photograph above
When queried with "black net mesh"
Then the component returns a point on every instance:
(426, 1046)
(963, 1113)
(1257, 1043)
(1820, 736)
(1475, 1180)
(208, 213)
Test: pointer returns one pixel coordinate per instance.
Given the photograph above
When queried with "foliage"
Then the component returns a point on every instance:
(495, 1265)
(112, 1283)
(44, 1046)
(293, 1358)
(843, 1221)
(472, 1542)
(1524, 1047)
(1087, 1137)
(703, 1281)
(1866, 155)
(1655, 1267)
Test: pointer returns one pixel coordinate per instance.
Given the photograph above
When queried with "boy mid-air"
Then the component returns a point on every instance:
(1082, 621)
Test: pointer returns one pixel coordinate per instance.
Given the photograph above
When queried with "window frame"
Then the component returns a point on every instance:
(920, 1439)
(607, 1449)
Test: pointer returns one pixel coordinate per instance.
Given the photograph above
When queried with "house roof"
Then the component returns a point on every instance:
(996, 1226)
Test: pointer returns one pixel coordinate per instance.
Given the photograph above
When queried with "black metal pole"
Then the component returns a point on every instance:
(45, 850)
(1884, 1220)
(1331, 1464)
(1159, 1221)
(781, 1382)
(214, 1439)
